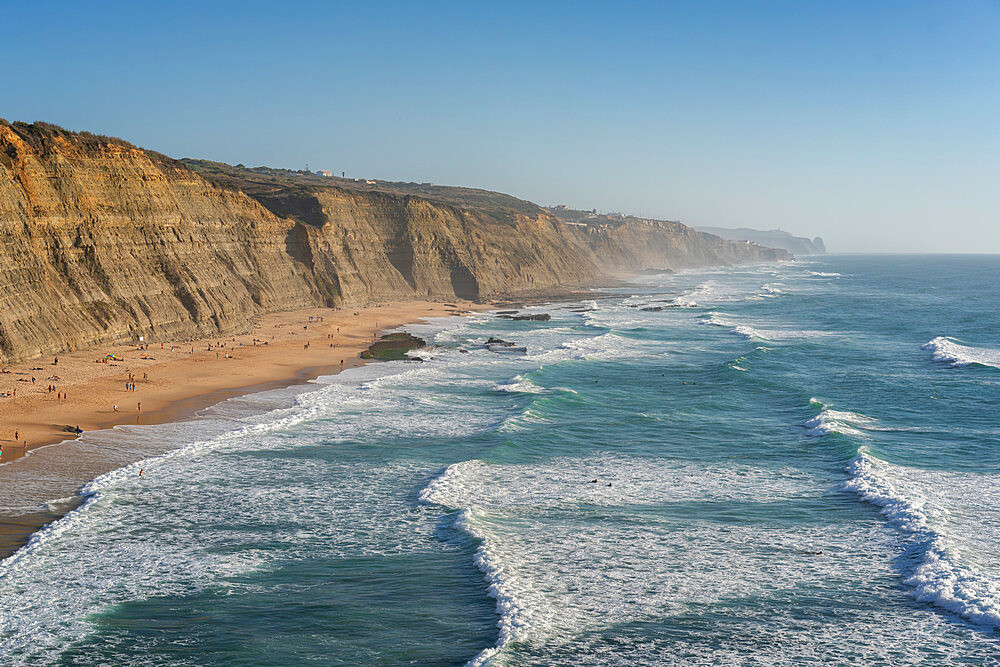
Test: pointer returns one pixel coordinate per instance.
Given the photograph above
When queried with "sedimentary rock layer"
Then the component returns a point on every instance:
(106, 242)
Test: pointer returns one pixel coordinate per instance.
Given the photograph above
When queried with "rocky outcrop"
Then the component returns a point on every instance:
(104, 242)
(393, 346)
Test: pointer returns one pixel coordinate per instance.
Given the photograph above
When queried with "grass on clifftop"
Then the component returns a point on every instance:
(266, 180)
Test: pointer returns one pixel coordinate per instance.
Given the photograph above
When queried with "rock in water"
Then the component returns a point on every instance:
(393, 347)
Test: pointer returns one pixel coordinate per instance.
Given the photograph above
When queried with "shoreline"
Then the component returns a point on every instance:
(301, 346)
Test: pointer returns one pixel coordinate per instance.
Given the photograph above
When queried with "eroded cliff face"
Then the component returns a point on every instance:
(634, 244)
(106, 242)
(102, 241)
(381, 245)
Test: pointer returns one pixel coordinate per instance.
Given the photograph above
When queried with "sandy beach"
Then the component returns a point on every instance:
(45, 399)
(161, 381)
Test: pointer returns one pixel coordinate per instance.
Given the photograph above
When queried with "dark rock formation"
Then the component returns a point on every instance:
(393, 347)
(539, 317)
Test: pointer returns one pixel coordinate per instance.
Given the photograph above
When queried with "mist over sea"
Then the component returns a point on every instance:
(785, 463)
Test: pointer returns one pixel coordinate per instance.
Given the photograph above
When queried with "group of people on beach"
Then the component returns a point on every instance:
(219, 346)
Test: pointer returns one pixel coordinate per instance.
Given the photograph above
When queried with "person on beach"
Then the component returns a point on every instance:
(115, 408)
(139, 407)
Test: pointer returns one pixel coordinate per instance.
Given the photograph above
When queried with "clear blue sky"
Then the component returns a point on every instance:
(873, 124)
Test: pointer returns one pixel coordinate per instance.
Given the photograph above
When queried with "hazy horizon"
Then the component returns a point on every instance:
(870, 126)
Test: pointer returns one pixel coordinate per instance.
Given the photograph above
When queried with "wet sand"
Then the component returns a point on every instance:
(172, 380)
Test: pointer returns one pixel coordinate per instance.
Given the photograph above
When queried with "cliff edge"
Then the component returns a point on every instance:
(105, 242)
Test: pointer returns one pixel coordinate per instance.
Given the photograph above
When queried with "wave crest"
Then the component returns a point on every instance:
(836, 421)
(948, 350)
(946, 540)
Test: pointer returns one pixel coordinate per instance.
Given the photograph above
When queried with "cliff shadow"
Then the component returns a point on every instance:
(463, 283)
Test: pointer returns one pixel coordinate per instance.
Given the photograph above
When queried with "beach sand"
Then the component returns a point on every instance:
(174, 379)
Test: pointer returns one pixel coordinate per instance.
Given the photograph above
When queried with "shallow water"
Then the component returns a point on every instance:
(794, 463)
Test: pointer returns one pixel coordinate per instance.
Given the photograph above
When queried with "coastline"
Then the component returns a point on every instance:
(173, 383)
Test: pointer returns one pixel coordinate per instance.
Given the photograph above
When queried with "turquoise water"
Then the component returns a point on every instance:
(794, 463)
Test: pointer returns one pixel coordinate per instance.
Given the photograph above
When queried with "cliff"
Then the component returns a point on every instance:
(102, 241)
(775, 238)
(620, 243)
(105, 242)
(379, 241)
(577, 245)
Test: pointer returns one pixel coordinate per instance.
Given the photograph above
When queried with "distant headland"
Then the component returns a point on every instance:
(774, 238)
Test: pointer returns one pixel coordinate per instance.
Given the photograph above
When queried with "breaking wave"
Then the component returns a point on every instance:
(753, 333)
(947, 519)
(948, 350)
(836, 421)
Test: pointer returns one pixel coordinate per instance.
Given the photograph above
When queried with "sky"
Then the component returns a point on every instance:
(875, 125)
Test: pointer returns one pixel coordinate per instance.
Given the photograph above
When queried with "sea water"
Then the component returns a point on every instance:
(785, 463)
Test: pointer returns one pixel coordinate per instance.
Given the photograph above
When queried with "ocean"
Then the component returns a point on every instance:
(793, 463)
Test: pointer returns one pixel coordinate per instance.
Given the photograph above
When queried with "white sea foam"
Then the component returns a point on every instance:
(618, 317)
(515, 617)
(562, 570)
(105, 552)
(951, 522)
(748, 332)
(755, 333)
(564, 482)
(837, 421)
(845, 422)
(520, 385)
(948, 350)
(605, 346)
(825, 274)
(703, 292)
